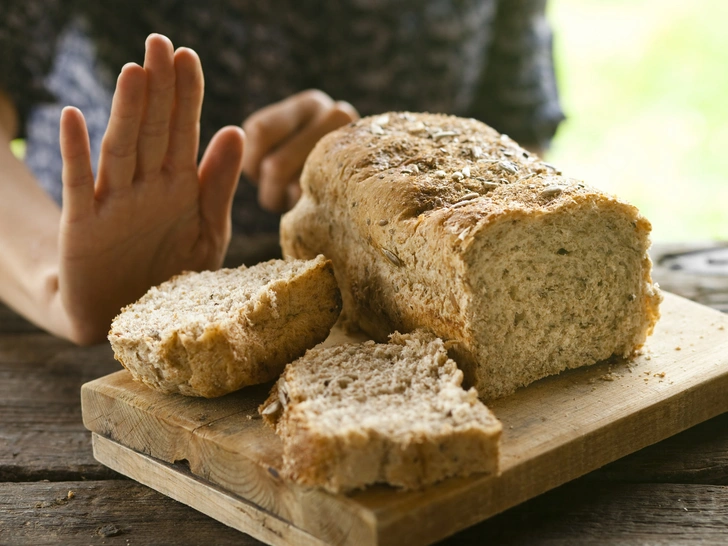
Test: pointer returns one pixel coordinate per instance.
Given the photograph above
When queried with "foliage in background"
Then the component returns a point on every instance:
(17, 146)
(645, 87)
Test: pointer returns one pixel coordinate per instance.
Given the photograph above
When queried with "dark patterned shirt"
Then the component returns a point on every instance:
(488, 59)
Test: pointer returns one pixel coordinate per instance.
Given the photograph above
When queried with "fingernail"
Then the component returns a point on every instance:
(156, 35)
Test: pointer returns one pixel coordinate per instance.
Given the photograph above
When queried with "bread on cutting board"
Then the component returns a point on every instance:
(441, 223)
(362, 413)
(211, 333)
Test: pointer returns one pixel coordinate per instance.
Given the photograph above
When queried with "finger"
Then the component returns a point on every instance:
(78, 178)
(185, 126)
(118, 158)
(219, 172)
(154, 132)
(270, 126)
(282, 167)
(294, 194)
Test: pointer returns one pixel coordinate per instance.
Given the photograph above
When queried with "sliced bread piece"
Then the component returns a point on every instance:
(211, 333)
(362, 413)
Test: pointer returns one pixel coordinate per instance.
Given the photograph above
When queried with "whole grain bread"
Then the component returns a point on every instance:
(362, 413)
(211, 333)
(441, 223)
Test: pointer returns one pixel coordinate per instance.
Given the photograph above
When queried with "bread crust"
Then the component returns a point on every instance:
(410, 208)
(288, 308)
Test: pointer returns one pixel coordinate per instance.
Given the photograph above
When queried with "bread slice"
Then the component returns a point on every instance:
(357, 414)
(211, 333)
(439, 222)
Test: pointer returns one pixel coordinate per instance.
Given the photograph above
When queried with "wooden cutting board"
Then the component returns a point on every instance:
(218, 457)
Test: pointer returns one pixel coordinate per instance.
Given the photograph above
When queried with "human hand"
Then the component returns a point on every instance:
(279, 137)
(152, 211)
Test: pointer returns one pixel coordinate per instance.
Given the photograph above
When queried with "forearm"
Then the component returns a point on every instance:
(29, 222)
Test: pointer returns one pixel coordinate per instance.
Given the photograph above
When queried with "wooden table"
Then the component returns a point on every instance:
(54, 492)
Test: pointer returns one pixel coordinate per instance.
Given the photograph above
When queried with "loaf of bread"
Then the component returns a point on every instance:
(211, 333)
(362, 413)
(441, 223)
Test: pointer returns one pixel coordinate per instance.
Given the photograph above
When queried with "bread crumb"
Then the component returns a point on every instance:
(71, 494)
(609, 376)
(660, 374)
(678, 348)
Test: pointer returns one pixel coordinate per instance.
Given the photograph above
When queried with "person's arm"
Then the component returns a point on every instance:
(29, 222)
(279, 139)
(151, 212)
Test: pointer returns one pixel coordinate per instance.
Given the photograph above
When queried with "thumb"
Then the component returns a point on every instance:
(219, 172)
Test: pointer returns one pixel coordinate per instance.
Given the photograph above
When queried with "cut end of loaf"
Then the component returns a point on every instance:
(210, 333)
(358, 414)
(557, 289)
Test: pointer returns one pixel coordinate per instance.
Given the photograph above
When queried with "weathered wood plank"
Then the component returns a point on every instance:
(104, 512)
(42, 435)
(588, 513)
(124, 512)
(554, 431)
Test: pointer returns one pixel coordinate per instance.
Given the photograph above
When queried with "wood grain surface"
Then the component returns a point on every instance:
(554, 431)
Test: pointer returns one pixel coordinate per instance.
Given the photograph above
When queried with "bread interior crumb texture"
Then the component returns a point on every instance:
(209, 333)
(396, 413)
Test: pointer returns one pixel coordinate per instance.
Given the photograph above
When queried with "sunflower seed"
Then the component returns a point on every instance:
(377, 129)
(457, 175)
(552, 191)
(283, 392)
(382, 120)
(383, 222)
(466, 171)
(440, 174)
(508, 166)
(392, 257)
(469, 196)
(271, 408)
(443, 134)
(486, 183)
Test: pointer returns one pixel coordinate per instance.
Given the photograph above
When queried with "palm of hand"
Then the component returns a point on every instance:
(152, 212)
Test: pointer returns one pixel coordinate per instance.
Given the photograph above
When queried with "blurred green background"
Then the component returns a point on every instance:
(644, 84)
